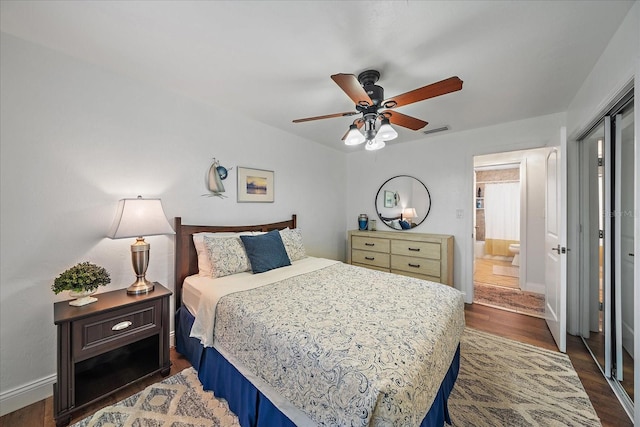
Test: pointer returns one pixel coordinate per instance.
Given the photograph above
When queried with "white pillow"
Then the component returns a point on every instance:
(204, 263)
(292, 239)
(226, 255)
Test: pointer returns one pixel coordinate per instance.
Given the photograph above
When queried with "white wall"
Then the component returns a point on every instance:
(74, 140)
(445, 164)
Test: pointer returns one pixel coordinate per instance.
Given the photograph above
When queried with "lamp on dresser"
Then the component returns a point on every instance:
(138, 218)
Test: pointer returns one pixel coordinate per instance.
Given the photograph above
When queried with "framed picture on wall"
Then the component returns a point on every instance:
(389, 199)
(255, 185)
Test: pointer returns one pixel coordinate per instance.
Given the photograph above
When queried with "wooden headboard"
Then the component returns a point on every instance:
(186, 257)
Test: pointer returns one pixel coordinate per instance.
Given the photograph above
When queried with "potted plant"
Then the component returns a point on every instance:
(81, 281)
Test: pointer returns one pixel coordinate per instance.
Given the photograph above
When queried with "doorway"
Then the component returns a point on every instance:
(509, 189)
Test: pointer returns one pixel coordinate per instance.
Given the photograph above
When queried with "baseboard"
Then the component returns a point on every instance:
(32, 392)
(538, 288)
(26, 394)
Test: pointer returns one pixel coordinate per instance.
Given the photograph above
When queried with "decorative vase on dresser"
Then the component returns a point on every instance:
(425, 256)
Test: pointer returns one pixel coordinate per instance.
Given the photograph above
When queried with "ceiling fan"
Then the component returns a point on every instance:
(370, 102)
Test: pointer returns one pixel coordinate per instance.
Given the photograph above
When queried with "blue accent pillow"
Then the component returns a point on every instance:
(266, 251)
(405, 225)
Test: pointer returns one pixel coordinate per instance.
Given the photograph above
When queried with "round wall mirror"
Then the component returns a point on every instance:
(403, 202)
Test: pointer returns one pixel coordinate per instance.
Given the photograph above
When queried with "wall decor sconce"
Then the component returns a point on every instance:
(213, 180)
(138, 218)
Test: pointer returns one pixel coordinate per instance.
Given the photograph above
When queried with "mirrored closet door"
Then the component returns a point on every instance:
(607, 240)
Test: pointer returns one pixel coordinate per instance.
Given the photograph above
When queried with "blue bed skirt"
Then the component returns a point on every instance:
(249, 404)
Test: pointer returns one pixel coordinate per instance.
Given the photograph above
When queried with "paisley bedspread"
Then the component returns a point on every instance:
(347, 346)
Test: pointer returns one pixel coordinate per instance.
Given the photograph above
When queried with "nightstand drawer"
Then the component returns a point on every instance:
(112, 329)
(416, 249)
(370, 258)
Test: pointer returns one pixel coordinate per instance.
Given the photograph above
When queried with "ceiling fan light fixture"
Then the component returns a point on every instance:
(354, 136)
(375, 144)
(386, 132)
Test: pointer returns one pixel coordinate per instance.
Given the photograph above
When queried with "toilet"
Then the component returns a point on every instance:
(514, 248)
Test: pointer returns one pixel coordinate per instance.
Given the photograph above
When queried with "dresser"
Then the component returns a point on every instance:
(425, 256)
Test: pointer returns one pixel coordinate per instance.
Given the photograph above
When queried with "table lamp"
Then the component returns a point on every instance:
(409, 214)
(138, 218)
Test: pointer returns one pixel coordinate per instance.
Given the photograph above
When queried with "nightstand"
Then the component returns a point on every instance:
(107, 345)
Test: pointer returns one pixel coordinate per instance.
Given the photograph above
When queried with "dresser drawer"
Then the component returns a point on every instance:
(104, 332)
(416, 249)
(418, 276)
(416, 265)
(370, 244)
(375, 259)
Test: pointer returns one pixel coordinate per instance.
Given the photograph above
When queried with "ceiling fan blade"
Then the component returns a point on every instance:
(443, 87)
(404, 120)
(328, 116)
(351, 86)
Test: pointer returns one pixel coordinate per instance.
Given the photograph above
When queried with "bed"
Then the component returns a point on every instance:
(316, 342)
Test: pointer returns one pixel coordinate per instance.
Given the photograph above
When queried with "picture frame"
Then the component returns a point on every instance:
(255, 185)
(389, 199)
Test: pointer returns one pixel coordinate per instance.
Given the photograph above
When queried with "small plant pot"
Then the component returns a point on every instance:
(82, 297)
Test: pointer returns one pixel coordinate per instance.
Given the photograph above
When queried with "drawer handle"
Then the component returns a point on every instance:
(369, 244)
(414, 249)
(370, 258)
(122, 325)
(414, 265)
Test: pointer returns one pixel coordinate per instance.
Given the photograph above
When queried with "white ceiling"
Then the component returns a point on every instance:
(272, 60)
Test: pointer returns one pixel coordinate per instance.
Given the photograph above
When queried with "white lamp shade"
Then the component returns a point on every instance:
(409, 213)
(376, 144)
(354, 136)
(138, 218)
(386, 132)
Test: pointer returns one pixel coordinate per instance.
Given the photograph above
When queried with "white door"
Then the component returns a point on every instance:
(555, 238)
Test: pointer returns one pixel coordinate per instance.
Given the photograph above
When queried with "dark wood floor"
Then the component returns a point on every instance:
(518, 327)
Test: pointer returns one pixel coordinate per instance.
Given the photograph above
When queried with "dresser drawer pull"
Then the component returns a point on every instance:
(414, 265)
(369, 244)
(370, 258)
(414, 249)
(122, 325)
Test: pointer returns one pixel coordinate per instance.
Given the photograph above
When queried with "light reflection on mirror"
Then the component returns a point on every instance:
(403, 202)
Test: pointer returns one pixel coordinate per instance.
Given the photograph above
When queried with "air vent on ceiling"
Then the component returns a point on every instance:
(440, 129)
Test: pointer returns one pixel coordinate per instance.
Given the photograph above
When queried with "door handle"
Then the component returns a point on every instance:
(560, 249)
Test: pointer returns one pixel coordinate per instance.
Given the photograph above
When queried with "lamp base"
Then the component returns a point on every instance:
(140, 287)
(140, 260)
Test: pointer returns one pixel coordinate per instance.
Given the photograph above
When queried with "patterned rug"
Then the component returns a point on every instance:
(515, 300)
(502, 383)
(507, 383)
(177, 401)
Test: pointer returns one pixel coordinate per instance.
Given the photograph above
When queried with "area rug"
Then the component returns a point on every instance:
(501, 383)
(178, 401)
(507, 383)
(515, 300)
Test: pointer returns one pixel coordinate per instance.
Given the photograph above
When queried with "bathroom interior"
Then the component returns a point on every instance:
(504, 183)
